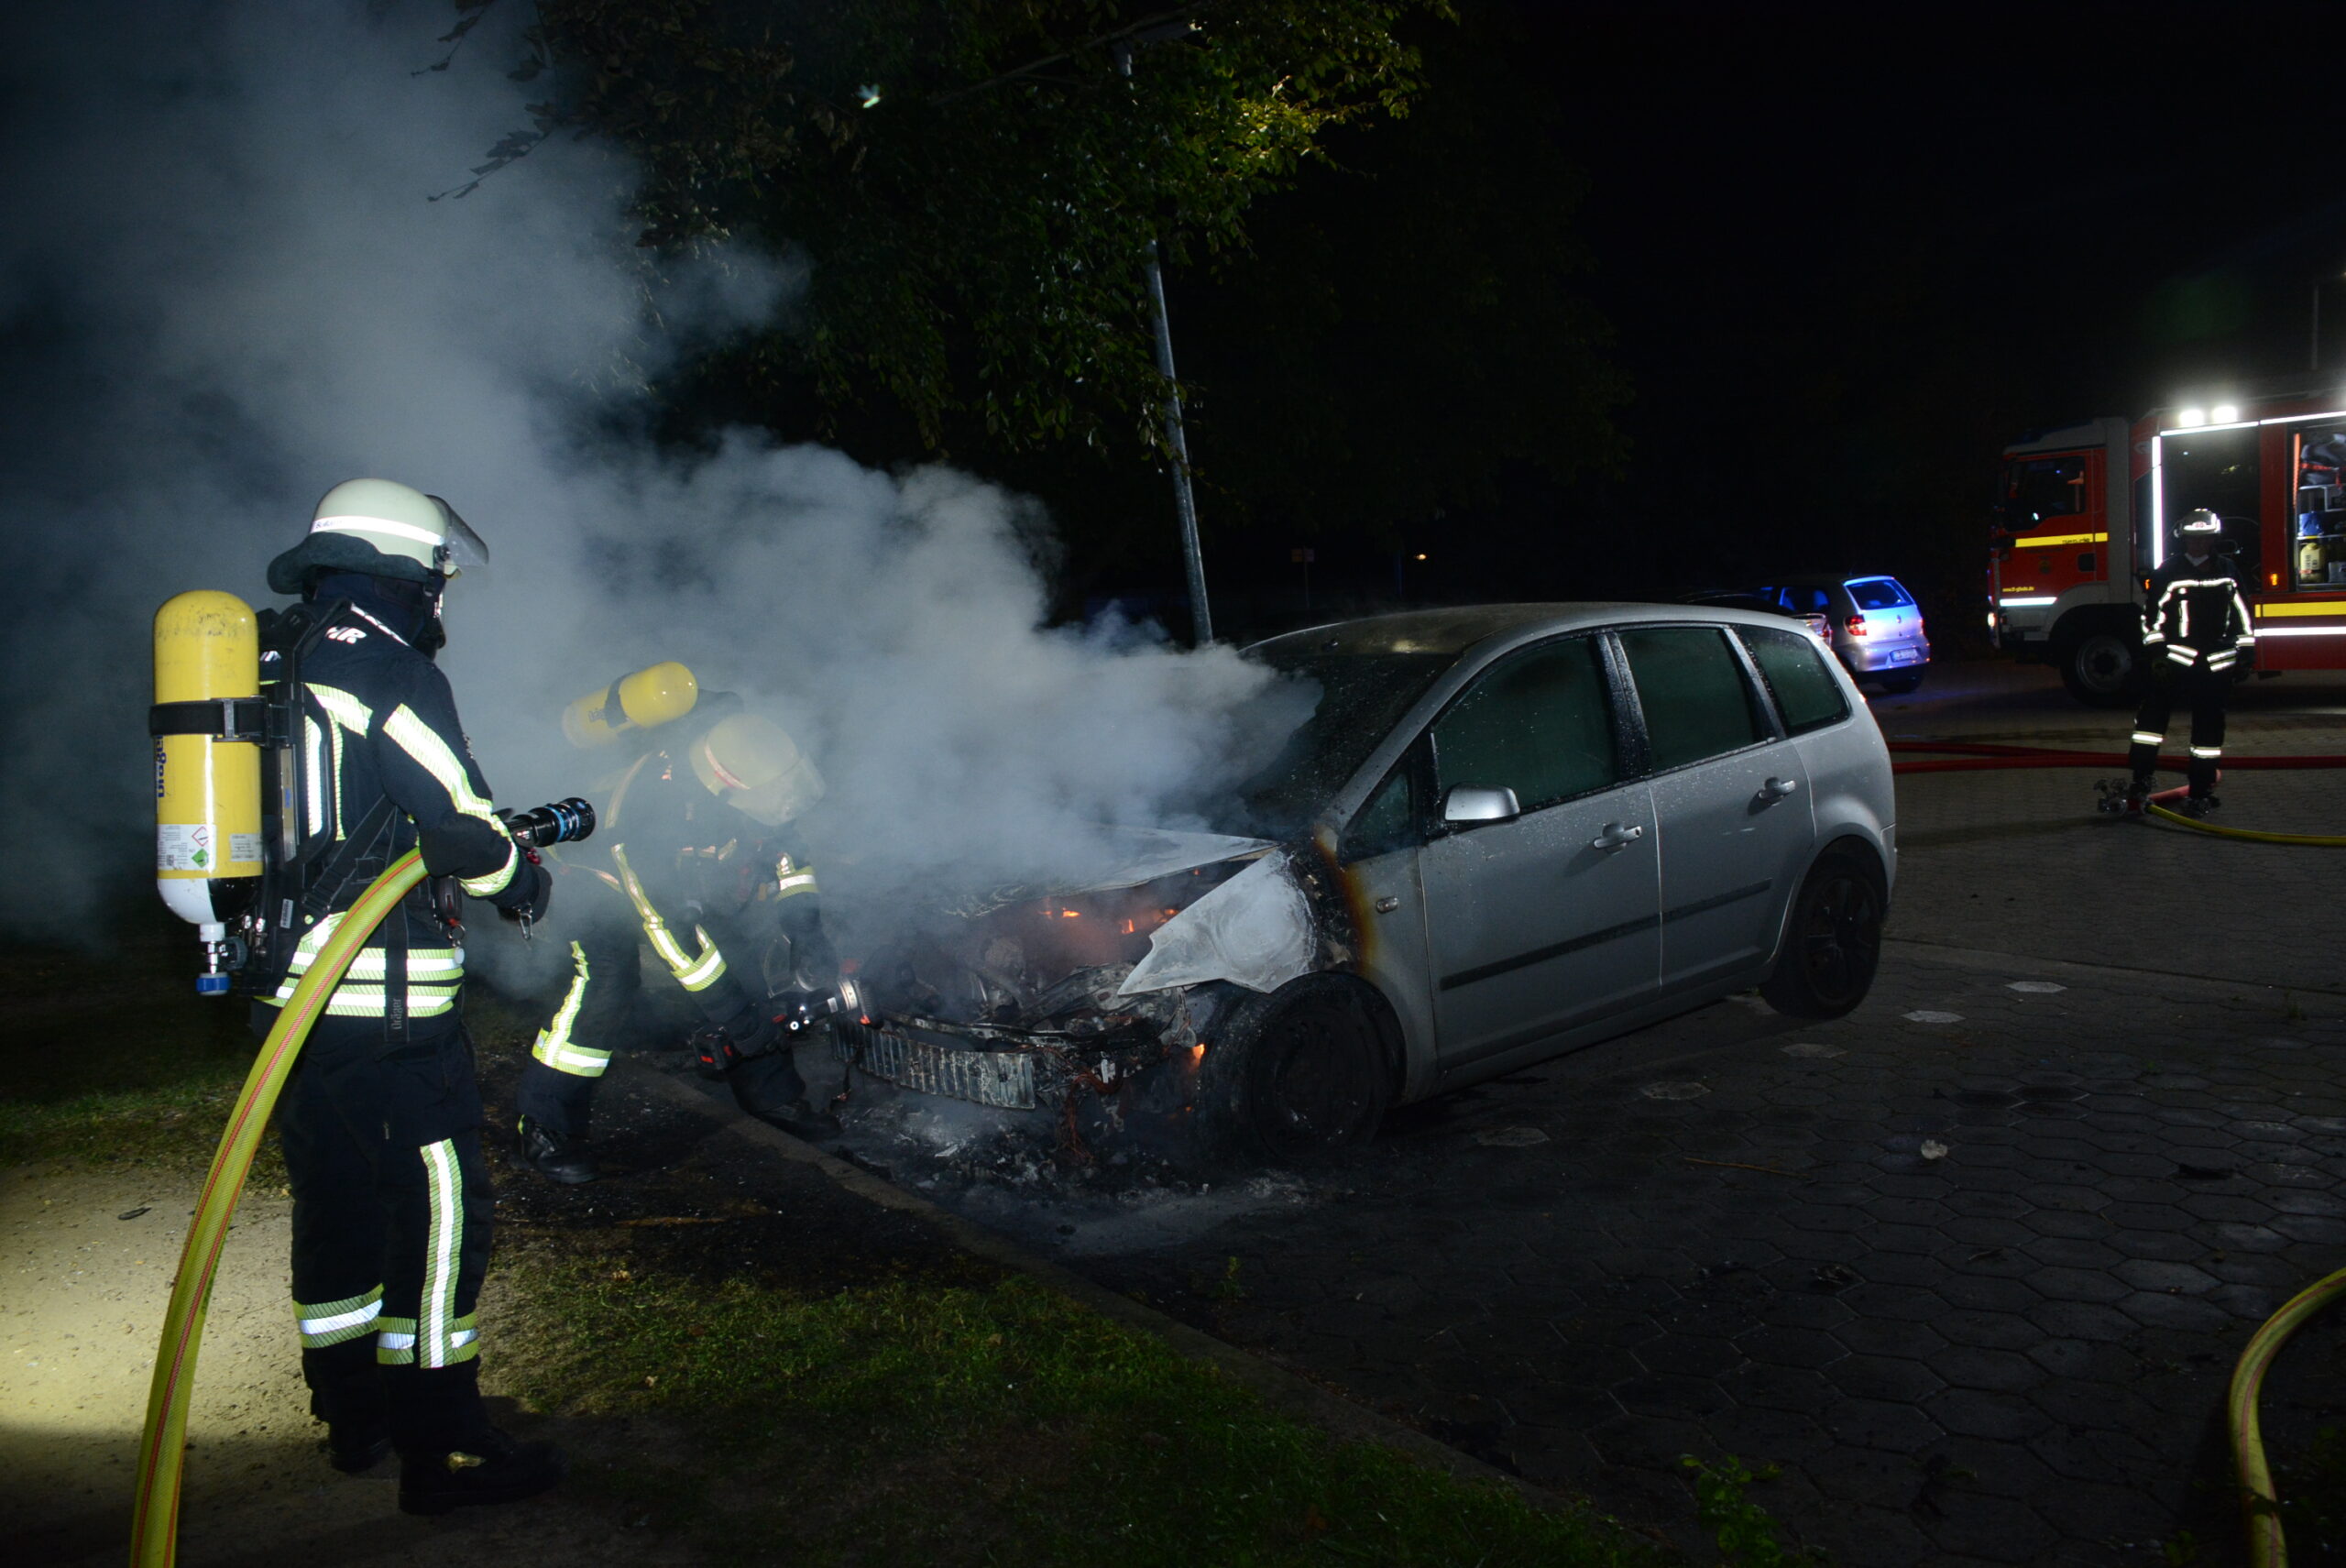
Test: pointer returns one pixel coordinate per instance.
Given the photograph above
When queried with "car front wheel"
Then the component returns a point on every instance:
(1296, 1074)
(1832, 942)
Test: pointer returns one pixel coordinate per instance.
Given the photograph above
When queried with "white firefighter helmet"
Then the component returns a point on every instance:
(2201, 523)
(384, 529)
(753, 764)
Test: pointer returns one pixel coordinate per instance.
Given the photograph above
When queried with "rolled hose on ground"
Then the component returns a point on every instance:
(154, 1531)
(1975, 756)
(2260, 1506)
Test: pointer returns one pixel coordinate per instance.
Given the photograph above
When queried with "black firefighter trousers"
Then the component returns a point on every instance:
(391, 1207)
(574, 1050)
(2206, 692)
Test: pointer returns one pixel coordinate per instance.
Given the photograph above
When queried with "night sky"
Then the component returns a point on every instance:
(1847, 253)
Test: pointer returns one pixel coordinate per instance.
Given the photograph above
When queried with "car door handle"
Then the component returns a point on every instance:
(1616, 836)
(1776, 789)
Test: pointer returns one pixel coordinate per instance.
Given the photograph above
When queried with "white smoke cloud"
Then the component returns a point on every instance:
(223, 291)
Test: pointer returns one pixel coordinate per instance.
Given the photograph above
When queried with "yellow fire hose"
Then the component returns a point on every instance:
(154, 1531)
(2259, 1503)
(2312, 840)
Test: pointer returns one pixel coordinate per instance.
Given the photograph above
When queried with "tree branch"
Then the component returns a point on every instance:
(1033, 66)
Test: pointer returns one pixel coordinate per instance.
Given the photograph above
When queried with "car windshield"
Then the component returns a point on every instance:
(1878, 593)
(1361, 697)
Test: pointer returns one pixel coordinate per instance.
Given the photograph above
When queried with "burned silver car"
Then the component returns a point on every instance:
(1505, 831)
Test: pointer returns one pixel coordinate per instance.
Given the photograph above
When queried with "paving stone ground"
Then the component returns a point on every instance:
(1971, 1265)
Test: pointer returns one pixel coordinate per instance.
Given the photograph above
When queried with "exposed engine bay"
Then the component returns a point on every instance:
(1097, 1002)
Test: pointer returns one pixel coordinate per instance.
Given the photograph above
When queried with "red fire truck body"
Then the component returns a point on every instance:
(2087, 514)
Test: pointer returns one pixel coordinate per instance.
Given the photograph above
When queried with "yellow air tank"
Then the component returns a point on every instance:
(650, 698)
(207, 786)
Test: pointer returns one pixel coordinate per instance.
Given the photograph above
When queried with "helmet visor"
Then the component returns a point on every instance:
(464, 547)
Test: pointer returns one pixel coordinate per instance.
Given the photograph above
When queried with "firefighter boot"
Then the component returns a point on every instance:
(2198, 806)
(358, 1420)
(769, 1088)
(557, 1157)
(488, 1468)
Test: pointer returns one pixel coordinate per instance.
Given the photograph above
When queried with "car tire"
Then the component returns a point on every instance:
(1832, 939)
(1299, 1072)
(2101, 668)
(1899, 682)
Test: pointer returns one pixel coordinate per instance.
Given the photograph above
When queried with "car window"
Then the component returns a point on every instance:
(1356, 699)
(1801, 599)
(1806, 692)
(1879, 593)
(1389, 821)
(1537, 723)
(1697, 703)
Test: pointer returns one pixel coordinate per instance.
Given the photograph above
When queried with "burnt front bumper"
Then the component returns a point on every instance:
(1000, 1078)
(1014, 1069)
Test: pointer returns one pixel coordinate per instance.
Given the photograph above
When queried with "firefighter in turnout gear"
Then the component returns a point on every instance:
(2196, 635)
(693, 855)
(380, 1120)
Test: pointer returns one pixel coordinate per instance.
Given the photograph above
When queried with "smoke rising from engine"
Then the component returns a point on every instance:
(224, 291)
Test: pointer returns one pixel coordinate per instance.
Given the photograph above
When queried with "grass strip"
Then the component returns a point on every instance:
(917, 1423)
(108, 1057)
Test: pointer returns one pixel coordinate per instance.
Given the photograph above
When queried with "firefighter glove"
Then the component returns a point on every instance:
(799, 1010)
(527, 896)
(746, 1035)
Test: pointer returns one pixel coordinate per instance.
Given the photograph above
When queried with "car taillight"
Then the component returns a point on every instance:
(1855, 626)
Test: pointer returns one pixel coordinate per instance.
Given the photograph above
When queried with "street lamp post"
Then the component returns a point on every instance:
(1175, 441)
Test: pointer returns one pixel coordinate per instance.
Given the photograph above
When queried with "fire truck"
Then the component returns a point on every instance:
(2086, 514)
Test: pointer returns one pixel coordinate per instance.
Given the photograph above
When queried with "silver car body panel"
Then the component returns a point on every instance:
(1541, 923)
(1254, 930)
(1387, 897)
(1733, 850)
(1852, 792)
(1845, 790)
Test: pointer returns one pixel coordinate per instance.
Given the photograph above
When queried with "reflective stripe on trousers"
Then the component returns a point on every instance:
(555, 1047)
(436, 1336)
(332, 1322)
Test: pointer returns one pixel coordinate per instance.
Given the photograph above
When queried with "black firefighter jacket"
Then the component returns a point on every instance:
(694, 869)
(2197, 615)
(376, 722)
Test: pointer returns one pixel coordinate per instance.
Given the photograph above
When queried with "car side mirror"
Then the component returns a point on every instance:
(1465, 803)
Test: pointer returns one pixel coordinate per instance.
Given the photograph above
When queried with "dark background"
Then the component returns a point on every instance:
(1844, 255)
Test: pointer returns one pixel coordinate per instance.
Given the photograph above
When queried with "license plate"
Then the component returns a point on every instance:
(1906, 656)
(1003, 1079)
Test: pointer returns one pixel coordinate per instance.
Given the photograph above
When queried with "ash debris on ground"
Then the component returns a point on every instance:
(1015, 1172)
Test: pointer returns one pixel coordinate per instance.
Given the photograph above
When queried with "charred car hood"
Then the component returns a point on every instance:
(1110, 981)
(1153, 912)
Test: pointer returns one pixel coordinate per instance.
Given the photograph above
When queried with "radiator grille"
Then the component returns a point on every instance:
(1005, 1078)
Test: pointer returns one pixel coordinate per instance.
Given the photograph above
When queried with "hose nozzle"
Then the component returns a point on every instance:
(562, 822)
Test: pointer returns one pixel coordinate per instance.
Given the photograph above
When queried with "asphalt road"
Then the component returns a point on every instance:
(1971, 1265)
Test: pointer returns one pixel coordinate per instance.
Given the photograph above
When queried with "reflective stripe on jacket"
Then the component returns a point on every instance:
(378, 721)
(2196, 612)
